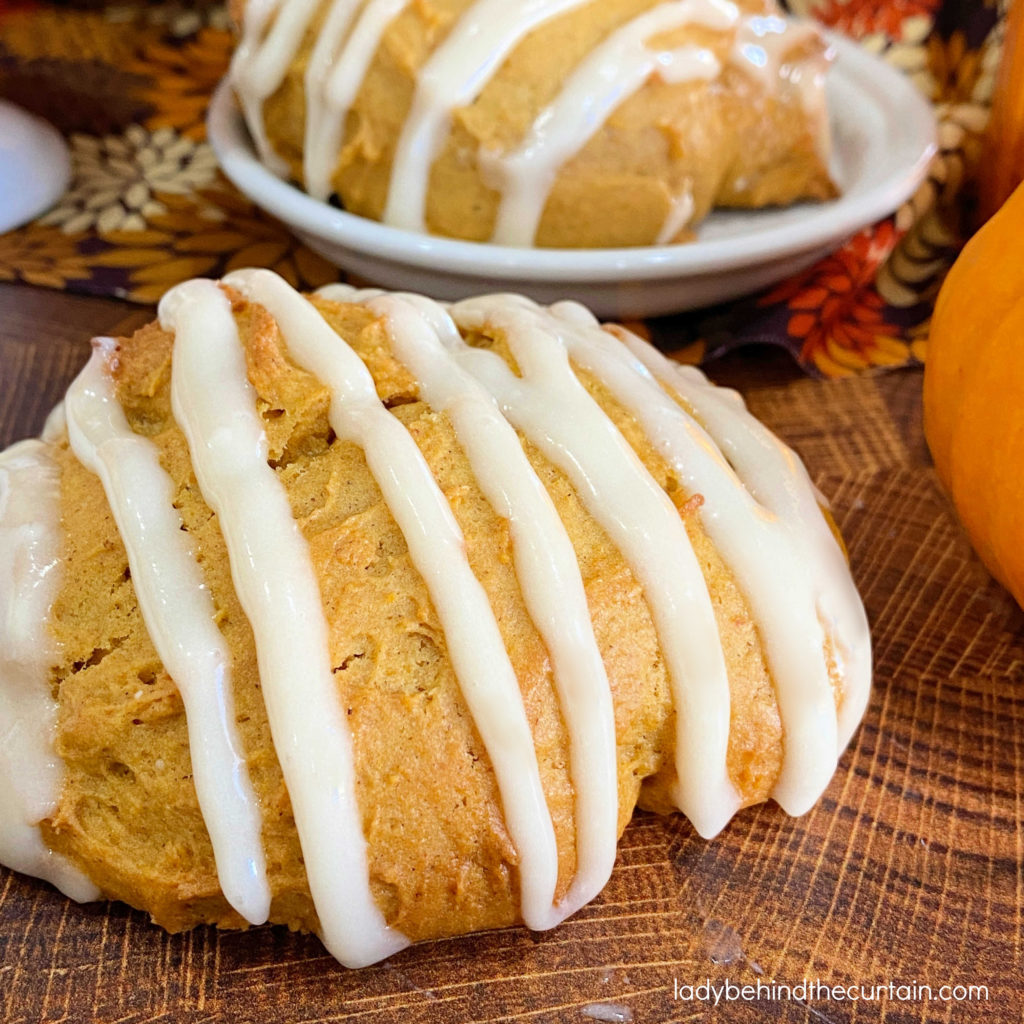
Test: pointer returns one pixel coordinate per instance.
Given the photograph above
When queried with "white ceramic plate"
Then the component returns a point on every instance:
(883, 138)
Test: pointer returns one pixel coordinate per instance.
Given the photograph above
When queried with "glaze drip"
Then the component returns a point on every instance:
(273, 575)
(438, 550)
(422, 336)
(31, 773)
(612, 72)
(180, 617)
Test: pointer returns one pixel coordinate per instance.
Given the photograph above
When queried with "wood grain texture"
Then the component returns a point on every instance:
(908, 871)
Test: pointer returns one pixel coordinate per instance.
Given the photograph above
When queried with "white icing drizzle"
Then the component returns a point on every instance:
(454, 76)
(267, 55)
(777, 479)
(456, 73)
(336, 70)
(761, 549)
(180, 618)
(679, 215)
(31, 773)
(437, 549)
(762, 41)
(610, 73)
(277, 587)
(553, 409)
(324, 128)
(55, 427)
(545, 564)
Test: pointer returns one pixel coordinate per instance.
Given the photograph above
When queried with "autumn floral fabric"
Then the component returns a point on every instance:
(129, 83)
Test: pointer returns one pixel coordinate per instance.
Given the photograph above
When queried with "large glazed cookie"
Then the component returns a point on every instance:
(378, 617)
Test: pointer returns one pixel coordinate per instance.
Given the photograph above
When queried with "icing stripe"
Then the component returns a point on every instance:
(778, 480)
(333, 80)
(31, 774)
(679, 215)
(454, 76)
(180, 618)
(760, 549)
(761, 48)
(437, 549)
(251, 91)
(324, 130)
(545, 564)
(277, 586)
(611, 73)
(551, 407)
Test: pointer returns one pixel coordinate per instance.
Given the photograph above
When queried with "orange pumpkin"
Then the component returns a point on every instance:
(974, 391)
(1002, 162)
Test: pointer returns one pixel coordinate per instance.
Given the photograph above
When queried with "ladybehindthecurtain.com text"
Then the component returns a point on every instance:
(817, 991)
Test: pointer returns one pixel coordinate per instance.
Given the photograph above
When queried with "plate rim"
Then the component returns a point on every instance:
(824, 223)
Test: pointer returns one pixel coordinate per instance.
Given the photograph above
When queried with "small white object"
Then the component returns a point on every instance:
(617, 1013)
(883, 140)
(35, 166)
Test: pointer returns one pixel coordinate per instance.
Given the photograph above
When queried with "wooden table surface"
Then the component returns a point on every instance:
(908, 873)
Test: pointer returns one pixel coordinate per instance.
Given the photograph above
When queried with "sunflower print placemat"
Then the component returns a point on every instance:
(128, 85)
